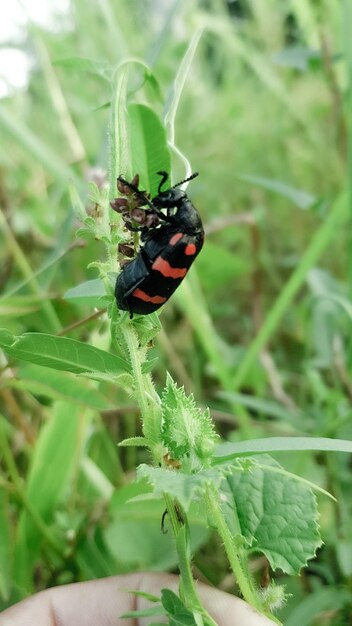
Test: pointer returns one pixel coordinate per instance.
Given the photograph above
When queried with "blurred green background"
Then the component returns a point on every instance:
(261, 331)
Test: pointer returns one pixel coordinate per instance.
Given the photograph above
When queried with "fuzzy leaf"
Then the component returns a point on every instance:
(89, 292)
(61, 353)
(277, 515)
(187, 430)
(147, 326)
(134, 442)
(184, 487)
(179, 615)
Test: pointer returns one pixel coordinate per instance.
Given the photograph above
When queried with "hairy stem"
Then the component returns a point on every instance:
(235, 554)
(188, 589)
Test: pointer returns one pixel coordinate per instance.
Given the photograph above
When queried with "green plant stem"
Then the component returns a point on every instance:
(188, 589)
(147, 398)
(235, 555)
(347, 50)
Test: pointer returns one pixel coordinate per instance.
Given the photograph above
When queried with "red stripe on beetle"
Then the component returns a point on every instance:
(175, 238)
(190, 249)
(164, 267)
(138, 293)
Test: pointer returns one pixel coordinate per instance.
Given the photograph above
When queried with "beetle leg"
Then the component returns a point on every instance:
(155, 209)
(130, 310)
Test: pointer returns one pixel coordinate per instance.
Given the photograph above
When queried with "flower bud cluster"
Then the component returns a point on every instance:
(129, 206)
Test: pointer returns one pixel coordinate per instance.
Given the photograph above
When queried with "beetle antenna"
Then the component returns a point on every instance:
(186, 180)
(164, 177)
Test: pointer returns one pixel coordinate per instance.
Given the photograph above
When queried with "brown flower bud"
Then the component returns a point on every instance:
(119, 204)
(135, 180)
(138, 215)
(126, 249)
(151, 220)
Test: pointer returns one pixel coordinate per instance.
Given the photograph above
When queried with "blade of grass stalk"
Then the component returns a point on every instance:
(34, 147)
(163, 37)
(319, 242)
(54, 258)
(347, 44)
(191, 301)
(55, 455)
(6, 544)
(265, 71)
(119, 145)
(232, 450)
(61, 110)
(115, 31)
(175, 95)
(63, 246)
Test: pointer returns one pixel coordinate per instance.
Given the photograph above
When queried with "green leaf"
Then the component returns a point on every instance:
(184, 487)
(93, 558)
(78, 206)
(149, 365)
(147, 327)
(277, 516)
(6, 547)
(88, 292)
(61, 353)
(82, 64)
(148, 145)
(143, 594)
(227, 451)
(134, 442)
(176, 610)
(53, 459)
(154, 610)
(187, 431)
(60, 386)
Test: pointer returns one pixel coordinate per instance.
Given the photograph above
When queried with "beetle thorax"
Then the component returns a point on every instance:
(187, 217)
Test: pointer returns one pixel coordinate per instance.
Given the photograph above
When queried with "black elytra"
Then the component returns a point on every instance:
(167, 250)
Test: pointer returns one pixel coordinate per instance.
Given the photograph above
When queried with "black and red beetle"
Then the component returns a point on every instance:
(168, 248)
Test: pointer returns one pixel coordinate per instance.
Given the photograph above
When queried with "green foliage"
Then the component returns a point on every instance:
(182, 486)
(148, 149)
(277, 516)
(258, 97)
(267, 512)
(61, 353)
(187, 431)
